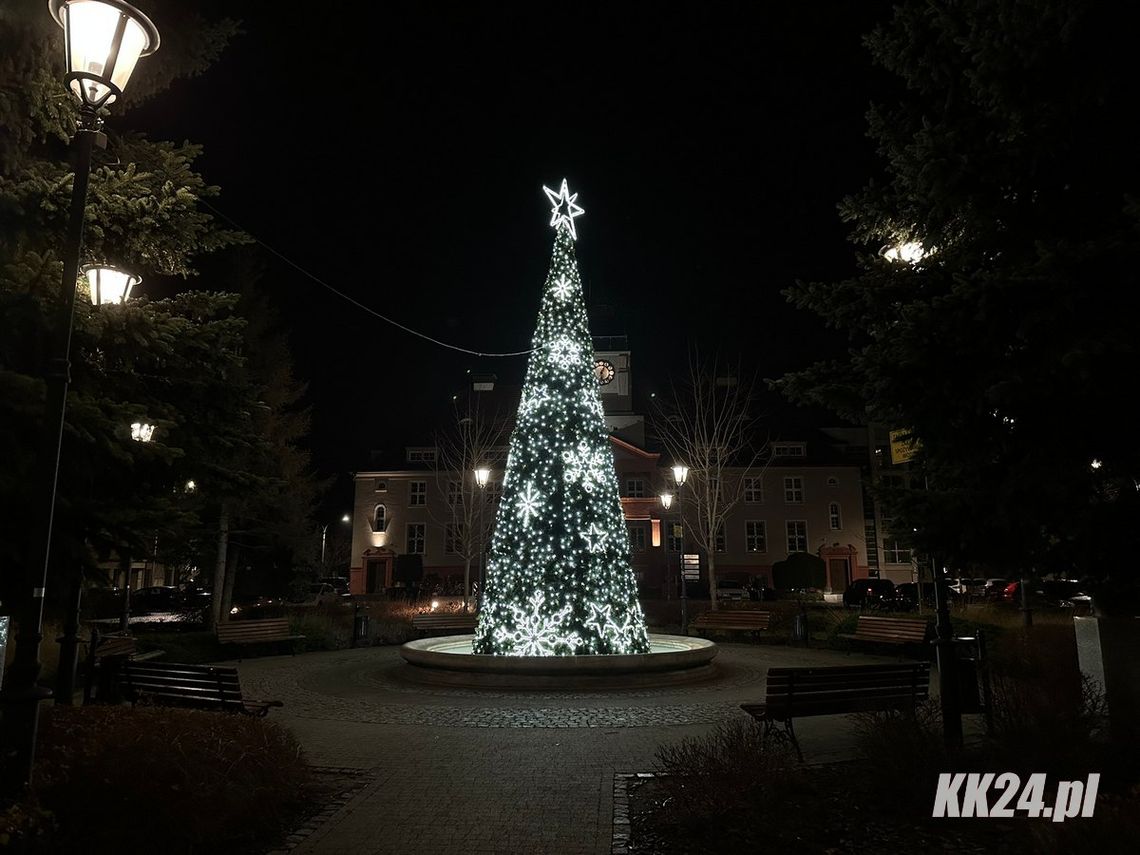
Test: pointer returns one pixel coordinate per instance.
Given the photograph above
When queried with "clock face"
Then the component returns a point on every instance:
(604, 371)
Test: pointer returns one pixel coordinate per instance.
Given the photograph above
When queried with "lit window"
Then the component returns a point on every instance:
(794, 490)
(417, 493)
(421, 455)
(797, 535)
(756, 536)
(416, 538)
(834, 518)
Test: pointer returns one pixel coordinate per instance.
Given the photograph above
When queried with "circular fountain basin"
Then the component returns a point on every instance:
(448, 660)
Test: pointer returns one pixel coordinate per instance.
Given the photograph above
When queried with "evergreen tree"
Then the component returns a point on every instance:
(559, 580)
(1004, 336)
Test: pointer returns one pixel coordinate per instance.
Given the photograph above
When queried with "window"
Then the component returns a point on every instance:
(719, 541)
(379, 519)
(714, 489)
(635, 488)
(753, 490)
(418, 493)
(453, 493)
(756, 536)
(834, 518)
(789, 449)
(381, 487)
(421, 455)
(416, 538)
(453, 539)
(637, 538)
(895, 554)
(794, 491)
(832, 482)
(494, 491)
(673, 541)
(797, 535)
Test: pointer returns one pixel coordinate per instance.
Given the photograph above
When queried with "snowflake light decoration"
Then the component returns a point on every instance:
(564, 352)
(563, 287)
(529, 503)
(565, 208)
(536, 634)
(585, 465)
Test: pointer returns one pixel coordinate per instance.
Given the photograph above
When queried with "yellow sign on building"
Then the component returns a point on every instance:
(903, 447)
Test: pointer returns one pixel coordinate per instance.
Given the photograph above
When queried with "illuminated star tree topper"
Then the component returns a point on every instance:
(565, 208)
(559, 580)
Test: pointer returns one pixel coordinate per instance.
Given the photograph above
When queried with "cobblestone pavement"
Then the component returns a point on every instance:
(467, 771)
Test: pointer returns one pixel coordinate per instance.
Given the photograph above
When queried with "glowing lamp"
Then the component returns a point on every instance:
(666, 500)
(106, 284)
(680, 474)
(103, 39)
(142, 432)
(434, 605)
(346, 518)
(908, 252)
(482, 476)
(191, 486)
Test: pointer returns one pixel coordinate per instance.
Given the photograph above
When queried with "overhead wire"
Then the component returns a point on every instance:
(303, 271)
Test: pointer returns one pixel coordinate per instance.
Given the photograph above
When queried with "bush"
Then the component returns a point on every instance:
(122, 779)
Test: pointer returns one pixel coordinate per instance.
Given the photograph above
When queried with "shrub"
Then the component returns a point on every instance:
(122, 779)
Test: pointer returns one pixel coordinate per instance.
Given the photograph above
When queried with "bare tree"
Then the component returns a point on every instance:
(706, 423)
(475, 439)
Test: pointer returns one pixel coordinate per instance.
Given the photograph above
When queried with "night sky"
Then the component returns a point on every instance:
(398, 151)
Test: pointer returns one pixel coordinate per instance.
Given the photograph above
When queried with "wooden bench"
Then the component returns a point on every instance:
(446, 622)
(99, 680)
(213, 687)
(726, 620)
(889, 630)
(798, 692)
(260, 631)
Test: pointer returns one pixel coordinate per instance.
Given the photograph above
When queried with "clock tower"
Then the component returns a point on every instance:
(612, 371)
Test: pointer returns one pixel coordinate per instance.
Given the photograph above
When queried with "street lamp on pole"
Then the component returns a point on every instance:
(482, 477)
(103, 40)
(680, 476)
(324, 536)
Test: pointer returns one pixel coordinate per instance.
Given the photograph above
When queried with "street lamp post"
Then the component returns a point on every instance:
(680, 475)
(103, 41)
(482, 476)
(324, 536)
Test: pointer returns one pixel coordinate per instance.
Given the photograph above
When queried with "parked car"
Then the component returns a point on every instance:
(156, 599)
(338, 583)
(966, 586)
(727, 589)
(869, 592)
(318, 594)
(994, 587)
(250, 606)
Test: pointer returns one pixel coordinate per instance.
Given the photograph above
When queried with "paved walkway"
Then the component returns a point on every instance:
(462, 771)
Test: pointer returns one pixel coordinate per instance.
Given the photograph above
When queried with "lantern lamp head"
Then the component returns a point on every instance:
(666, 500)
(142, 432)
(680, 474)
(107, 284)
(103, 40)
(908, 252)
(482, 476)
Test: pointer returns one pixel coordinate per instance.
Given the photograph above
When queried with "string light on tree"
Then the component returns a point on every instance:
(559, 580)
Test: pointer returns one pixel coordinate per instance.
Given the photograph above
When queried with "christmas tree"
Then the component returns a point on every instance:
(559, 580)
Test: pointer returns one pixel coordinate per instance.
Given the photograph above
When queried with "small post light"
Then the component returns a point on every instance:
(680, 474)
(482, 476)
(1096, 464)
(103, 40)
(191, 486)
(666, 500)
(346, 518)
(107, 284)
(142, 432)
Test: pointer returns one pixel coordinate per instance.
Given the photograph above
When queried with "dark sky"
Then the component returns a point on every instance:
(399, 150)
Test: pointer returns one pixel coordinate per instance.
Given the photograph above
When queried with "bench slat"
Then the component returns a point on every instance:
(203, 686)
